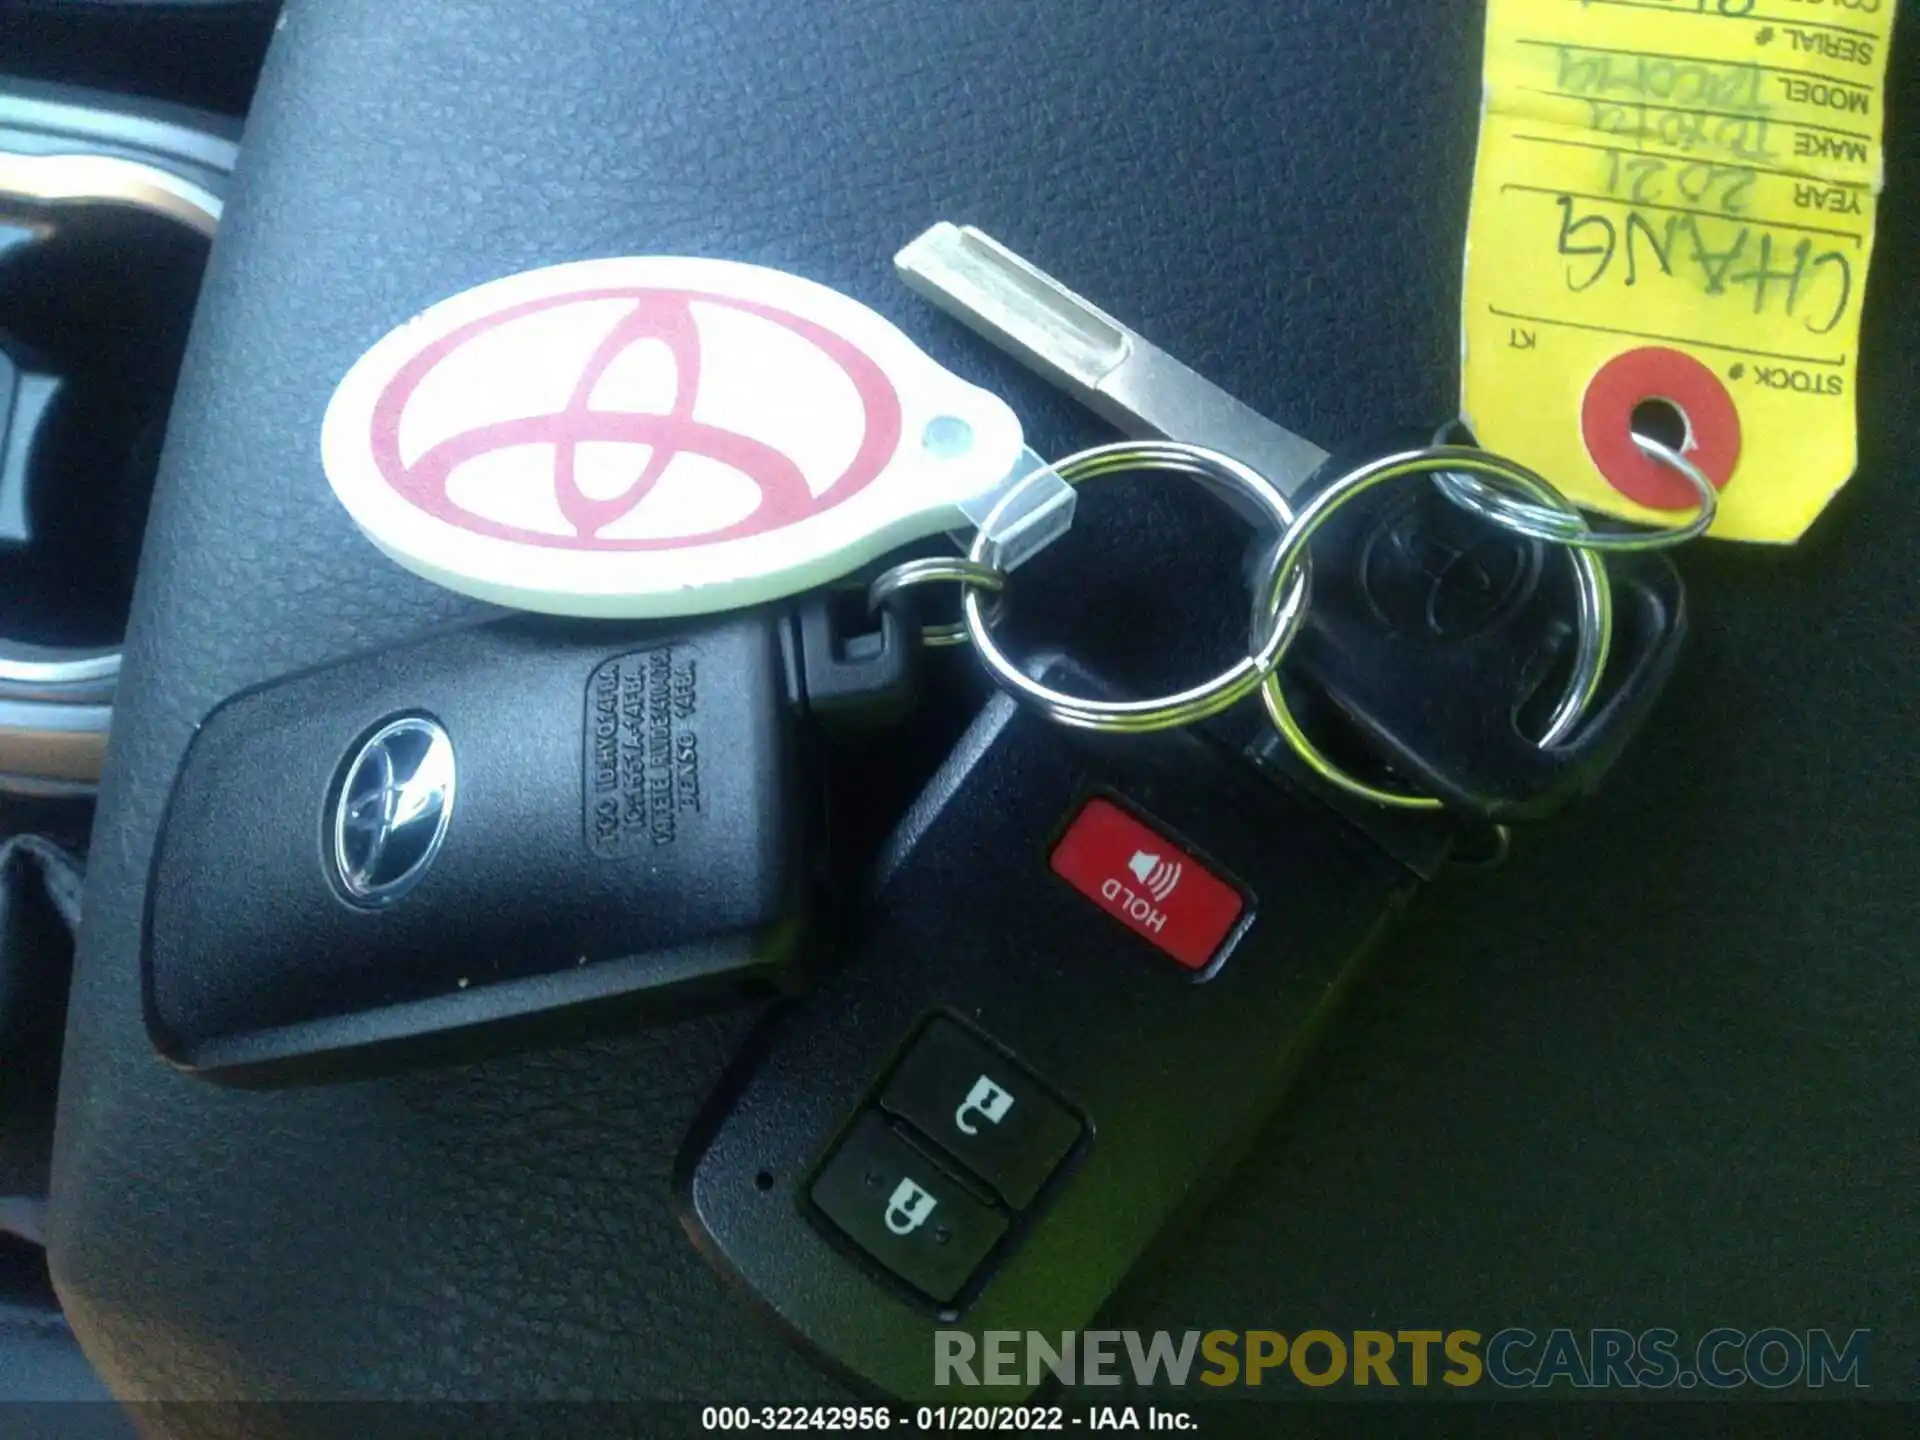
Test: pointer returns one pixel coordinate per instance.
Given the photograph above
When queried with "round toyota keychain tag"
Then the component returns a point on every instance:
(659, 437)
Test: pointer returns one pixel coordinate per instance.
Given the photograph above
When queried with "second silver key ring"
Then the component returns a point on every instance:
(1596, 598)
(1555, 525)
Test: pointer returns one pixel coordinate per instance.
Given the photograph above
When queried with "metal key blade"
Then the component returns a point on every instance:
(1084, 351)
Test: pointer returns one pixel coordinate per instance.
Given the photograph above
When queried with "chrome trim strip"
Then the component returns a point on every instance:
(68, 178)
(63, 117)
(74, 178)
(64, 744)
(42, 672)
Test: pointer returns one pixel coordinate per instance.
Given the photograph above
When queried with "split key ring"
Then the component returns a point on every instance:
(1596, 598)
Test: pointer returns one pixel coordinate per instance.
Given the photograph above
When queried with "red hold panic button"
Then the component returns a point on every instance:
(1148, 884)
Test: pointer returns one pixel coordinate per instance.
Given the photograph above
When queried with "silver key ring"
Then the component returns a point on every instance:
(939, 570)
(1596, 601)
(1559, 527)
(1287, 604)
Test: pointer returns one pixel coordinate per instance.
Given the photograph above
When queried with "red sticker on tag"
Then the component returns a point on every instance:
(1629, 381)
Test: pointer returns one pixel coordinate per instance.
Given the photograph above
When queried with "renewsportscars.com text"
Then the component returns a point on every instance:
(1514, 1358)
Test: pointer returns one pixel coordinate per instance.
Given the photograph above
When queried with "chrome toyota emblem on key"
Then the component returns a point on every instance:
(393, 808)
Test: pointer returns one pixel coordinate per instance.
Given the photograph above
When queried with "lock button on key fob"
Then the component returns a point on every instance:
(905, 1211)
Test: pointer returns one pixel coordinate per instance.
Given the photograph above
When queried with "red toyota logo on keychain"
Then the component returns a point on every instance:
(654, 436)
(551, 443)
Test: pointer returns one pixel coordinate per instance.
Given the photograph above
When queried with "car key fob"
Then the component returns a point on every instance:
(1088, 968)
(1444, 640)
(489, 834)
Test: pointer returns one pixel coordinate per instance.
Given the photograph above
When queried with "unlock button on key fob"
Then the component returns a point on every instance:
(905, 1211)
(983, 1110)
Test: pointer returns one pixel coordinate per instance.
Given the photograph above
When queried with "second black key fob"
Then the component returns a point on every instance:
(1085, 975)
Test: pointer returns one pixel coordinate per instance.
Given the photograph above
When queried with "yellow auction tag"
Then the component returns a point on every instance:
(1673, 215)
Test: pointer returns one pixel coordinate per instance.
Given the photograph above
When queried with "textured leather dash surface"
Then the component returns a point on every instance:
(1659, 1071)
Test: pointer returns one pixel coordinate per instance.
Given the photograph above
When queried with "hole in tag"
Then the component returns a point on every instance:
(1663, 422)
(1670, 398)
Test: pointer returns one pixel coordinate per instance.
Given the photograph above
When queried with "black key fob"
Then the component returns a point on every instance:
(1087, 971)
(1445, 642)
(486, 836)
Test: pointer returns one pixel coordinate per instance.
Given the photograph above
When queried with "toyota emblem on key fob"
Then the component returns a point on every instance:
(394, 805)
